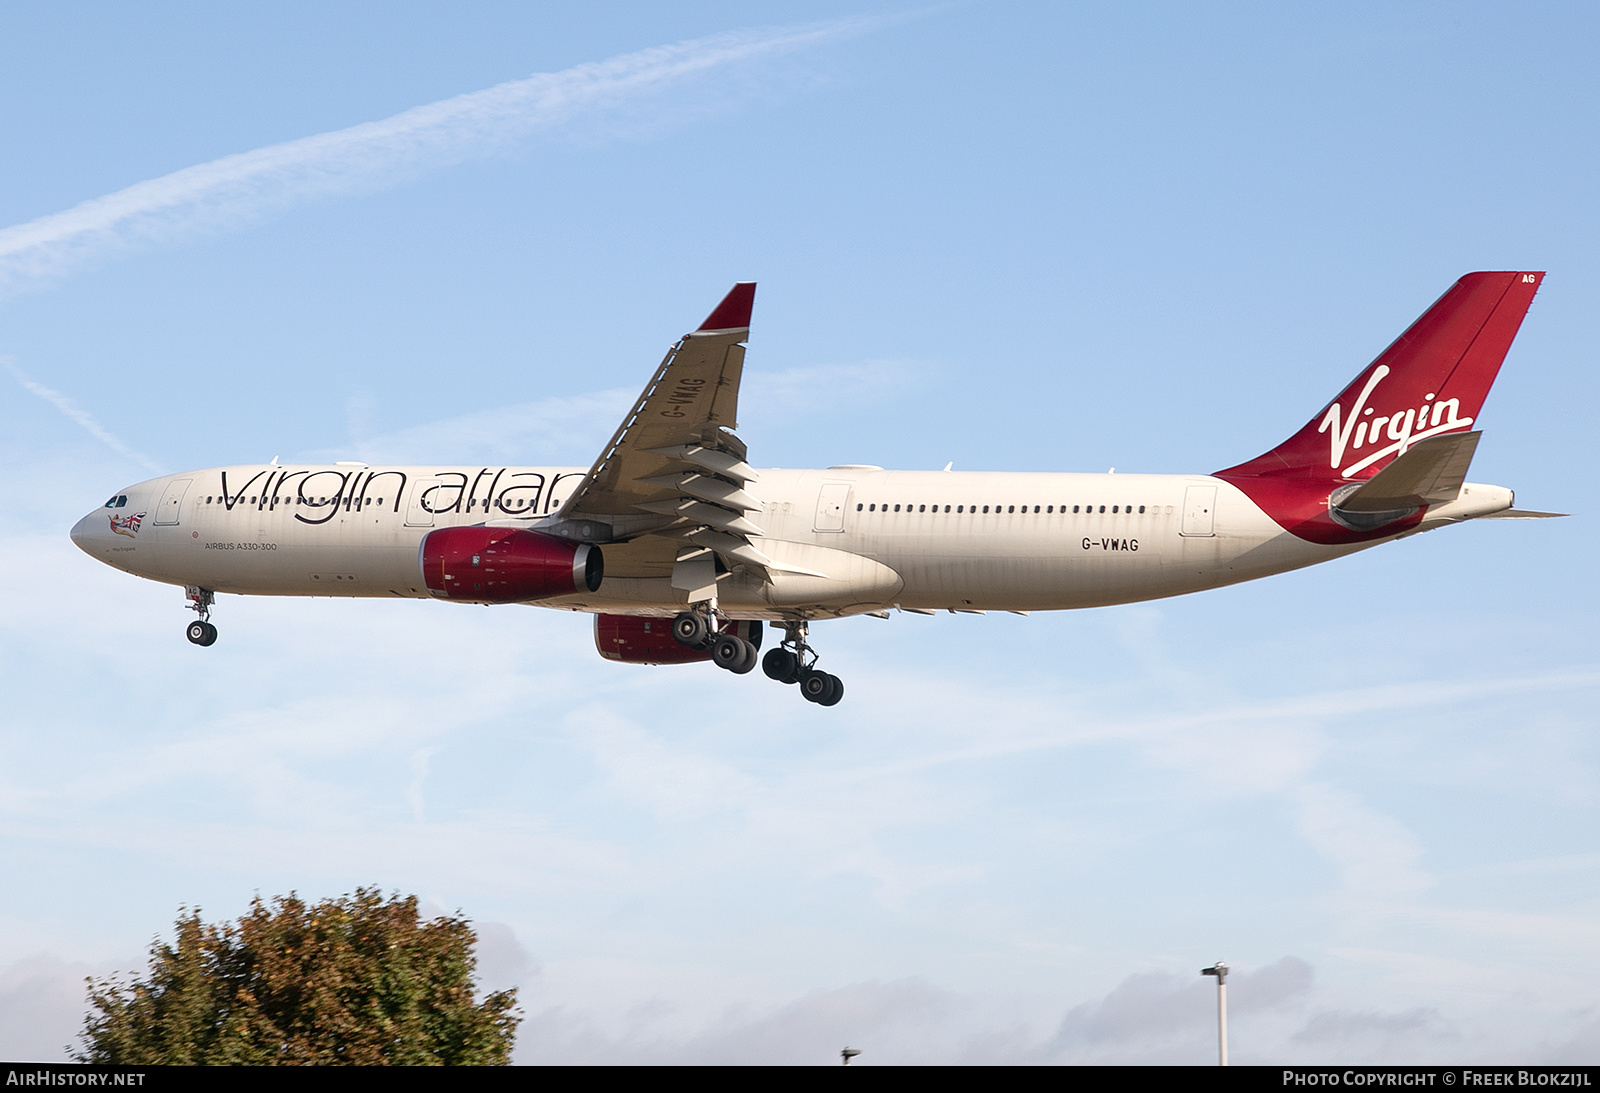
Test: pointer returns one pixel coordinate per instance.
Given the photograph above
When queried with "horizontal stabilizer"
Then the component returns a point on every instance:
(1523, 514)
(1430, 472)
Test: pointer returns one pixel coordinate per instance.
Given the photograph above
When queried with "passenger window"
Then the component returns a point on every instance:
(986, 510)
(947, 508)
(1102, 508)
(1141, 510)
(1013, 508)
(922, 508)
(897, 508)
(858, 509)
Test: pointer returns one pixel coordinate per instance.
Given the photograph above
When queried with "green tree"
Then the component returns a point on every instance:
(357, 980)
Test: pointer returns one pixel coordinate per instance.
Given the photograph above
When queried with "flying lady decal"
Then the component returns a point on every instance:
(127, 525)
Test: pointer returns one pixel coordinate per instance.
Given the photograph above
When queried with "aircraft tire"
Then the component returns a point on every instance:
(728, 651)
(815, 685)
(781, 665)
(747, 661)
(835, 692)
(689, 629)
(201, 633)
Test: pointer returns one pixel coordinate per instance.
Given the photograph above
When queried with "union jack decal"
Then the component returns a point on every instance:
(127, 525)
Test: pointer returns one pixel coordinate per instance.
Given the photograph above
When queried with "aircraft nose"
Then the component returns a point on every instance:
(83, 533)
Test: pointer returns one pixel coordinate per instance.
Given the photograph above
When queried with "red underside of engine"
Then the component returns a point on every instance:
(635, 640)
(506, 565)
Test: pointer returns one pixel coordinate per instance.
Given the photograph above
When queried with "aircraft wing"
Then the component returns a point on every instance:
(674, 469)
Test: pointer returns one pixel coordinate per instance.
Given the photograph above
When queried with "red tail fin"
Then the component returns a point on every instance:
(1432, 380)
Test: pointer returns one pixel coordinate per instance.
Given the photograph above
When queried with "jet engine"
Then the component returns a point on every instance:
(637, 640)
(506, 565)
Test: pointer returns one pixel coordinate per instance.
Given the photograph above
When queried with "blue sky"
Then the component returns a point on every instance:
(1016, 237)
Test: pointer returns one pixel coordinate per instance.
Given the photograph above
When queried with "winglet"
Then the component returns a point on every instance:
(734, 310)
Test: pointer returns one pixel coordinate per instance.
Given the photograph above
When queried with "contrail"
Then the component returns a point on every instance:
(81, 416)
(364, 156)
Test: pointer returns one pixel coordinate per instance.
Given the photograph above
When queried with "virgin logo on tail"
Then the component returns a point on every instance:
(1432, 379)
(1403, 427)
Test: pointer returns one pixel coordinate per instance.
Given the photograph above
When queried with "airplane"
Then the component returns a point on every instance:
(681, 551)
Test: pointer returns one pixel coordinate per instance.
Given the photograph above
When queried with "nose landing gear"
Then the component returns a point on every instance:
(200, 631)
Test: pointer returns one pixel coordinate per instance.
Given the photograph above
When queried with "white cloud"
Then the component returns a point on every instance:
(234, 188)
(554, 431)
(808, 1030)
(42, 1003)
(82, 417)
(1161, 1017)
(1376, 856)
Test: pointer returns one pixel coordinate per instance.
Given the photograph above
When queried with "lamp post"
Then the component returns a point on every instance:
(1220, 970)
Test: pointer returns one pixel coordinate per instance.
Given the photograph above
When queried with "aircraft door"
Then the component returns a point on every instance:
(830, 507)
(418, 513)
(1199, 511)
(172, 501)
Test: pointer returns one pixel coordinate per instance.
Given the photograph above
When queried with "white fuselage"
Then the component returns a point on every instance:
(850, 539)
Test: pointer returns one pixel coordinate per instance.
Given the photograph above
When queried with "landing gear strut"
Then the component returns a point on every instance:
(200, 631)
(794, 661)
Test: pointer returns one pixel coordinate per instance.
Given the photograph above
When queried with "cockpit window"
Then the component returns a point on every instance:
(123, 500)
(117, 502)
(111, 504)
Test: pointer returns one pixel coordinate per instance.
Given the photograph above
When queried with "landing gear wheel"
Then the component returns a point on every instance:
(731, 652)
(796, 662)
(835, 693)
(689, 628)
(818, 687)
(201, 632)
(782, 665)
(748, 661)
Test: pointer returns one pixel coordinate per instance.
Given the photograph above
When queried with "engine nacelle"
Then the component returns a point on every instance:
(634, 640)
(506, 565)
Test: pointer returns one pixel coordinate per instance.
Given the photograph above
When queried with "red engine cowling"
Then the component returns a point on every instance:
(506, 565)
(649, 641)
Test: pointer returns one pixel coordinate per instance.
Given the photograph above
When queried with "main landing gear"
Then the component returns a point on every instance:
(794, 661)
(729, 649)
(200, 631)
